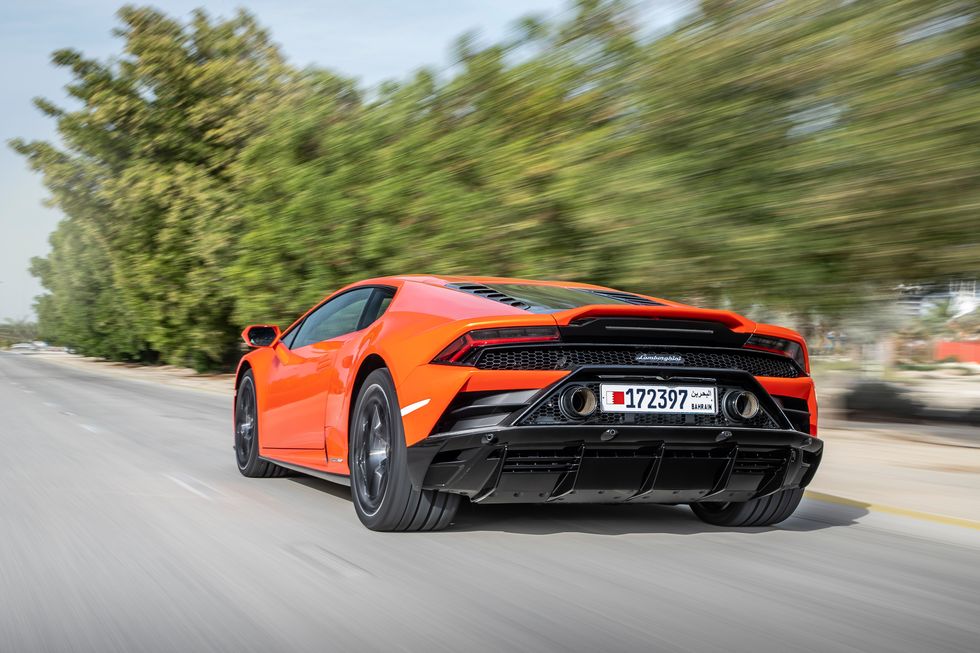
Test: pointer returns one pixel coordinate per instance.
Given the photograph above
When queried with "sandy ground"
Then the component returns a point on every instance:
(916, 467)
(954, 386)
(932, 469)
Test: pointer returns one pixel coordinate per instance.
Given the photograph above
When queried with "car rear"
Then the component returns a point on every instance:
(596, 395)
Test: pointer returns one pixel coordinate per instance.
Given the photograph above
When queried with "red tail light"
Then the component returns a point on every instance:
(460, 348)
(780, 346)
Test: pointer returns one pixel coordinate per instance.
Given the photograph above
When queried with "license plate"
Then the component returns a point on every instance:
(621, 398)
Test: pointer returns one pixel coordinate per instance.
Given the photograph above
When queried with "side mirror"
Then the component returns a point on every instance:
(260, 335)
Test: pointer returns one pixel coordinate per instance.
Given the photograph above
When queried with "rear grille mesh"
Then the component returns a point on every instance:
(568, 357)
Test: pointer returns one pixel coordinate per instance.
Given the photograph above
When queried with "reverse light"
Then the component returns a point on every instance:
(460, 348)
(781, 346)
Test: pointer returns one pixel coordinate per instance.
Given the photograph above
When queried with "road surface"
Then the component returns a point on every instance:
(125, 526)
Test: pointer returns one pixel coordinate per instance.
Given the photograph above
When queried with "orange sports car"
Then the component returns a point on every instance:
(420, 391)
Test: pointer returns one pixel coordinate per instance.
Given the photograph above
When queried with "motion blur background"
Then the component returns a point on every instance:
(812, 162)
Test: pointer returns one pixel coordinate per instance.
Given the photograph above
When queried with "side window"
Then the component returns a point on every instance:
(377, 306)
(335, 318)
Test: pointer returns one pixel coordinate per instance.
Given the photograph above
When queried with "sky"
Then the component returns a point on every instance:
(372, 40)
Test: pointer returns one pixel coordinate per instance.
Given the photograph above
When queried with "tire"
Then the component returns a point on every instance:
(383, 496)
(247, 433)
(764, 511)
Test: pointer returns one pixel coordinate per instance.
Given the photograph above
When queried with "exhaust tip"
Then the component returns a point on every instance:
(742, 405)
(577, 402)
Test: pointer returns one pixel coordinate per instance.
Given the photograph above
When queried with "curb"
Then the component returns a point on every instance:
(892, 510)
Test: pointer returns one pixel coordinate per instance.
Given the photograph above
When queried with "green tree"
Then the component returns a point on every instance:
(137, 268)
(801, 156)
(13, 331)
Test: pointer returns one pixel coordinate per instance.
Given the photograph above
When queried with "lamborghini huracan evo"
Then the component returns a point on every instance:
(420, 391)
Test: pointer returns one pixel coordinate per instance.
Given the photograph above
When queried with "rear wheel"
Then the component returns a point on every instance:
(247, 433)
(764, 511)
(383, 496)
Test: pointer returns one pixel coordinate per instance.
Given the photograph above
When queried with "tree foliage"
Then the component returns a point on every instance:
(14, 331)
(797, 154)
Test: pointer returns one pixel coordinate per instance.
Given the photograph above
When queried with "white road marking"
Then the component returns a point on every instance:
(211, 488)
(89, 428)
(321, 558)
(411, 408)
(187, 486)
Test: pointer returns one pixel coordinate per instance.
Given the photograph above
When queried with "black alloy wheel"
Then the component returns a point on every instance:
(381, 490)
(372, 450)
(247, 433)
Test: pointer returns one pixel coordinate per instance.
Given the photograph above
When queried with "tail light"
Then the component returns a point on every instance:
(460, 348)
(781, 346)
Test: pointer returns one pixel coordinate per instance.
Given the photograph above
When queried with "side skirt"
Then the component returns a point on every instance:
(309, 471)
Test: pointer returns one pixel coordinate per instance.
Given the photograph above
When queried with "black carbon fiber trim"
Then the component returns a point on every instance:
(571, 357)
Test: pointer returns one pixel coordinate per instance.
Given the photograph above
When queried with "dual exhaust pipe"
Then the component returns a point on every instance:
(740, 405)
(578, 402)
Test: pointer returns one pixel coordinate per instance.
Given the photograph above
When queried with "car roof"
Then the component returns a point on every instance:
(444, 280)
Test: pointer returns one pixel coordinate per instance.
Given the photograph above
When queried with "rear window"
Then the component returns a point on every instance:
(556, 298)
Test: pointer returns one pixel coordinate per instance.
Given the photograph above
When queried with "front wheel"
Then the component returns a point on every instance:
(383, 496)
(247, 433)
(764, 511)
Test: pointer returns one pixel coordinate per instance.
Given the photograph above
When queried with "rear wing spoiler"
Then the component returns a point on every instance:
(731, 320)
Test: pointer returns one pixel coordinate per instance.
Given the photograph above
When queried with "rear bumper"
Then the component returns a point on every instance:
(599, 464)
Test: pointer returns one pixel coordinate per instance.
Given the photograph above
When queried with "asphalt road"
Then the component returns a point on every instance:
(125, 526)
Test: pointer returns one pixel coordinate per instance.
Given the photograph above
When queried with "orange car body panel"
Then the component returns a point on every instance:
(304, 396)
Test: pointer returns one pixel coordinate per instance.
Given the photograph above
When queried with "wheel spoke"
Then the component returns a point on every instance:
(245, 423)
(371, 444)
